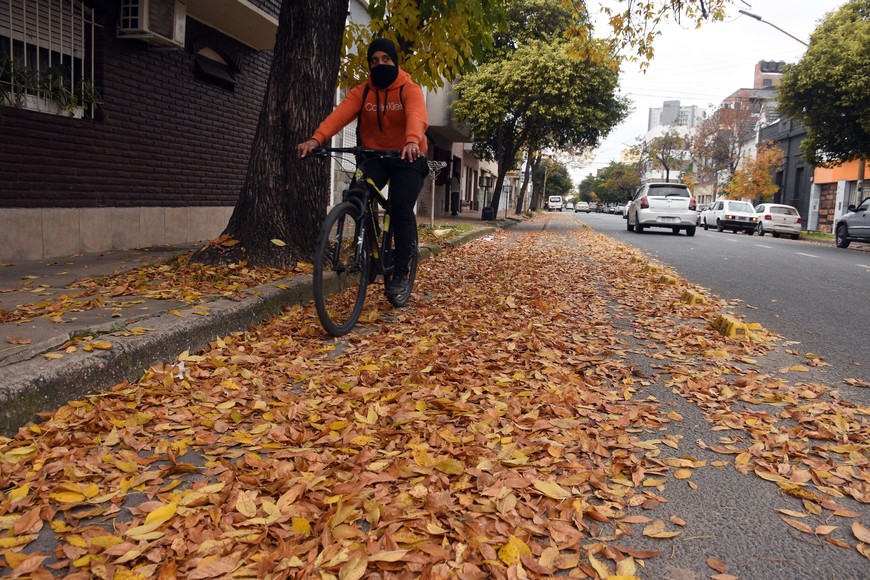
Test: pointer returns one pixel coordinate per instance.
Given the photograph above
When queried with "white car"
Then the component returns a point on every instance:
(777, 219)
(569, 206)
(554, 203)
(730, 214)
(582, 206)
(663, 205)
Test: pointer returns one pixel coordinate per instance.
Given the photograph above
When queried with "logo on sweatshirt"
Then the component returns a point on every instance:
(390, 106)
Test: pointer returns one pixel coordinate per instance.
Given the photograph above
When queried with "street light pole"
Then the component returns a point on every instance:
(760, 19)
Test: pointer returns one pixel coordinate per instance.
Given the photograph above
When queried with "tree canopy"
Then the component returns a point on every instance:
(827, 89)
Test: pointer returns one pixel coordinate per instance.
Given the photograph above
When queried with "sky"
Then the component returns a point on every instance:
(704, 66)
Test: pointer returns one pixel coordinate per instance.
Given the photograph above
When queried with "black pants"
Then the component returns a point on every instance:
(406, 181)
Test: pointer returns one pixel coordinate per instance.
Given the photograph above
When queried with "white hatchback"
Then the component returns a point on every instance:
(662, 205)
(777, 219)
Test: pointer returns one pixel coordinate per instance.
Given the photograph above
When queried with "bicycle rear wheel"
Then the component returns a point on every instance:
(341, 264)
(389, 241)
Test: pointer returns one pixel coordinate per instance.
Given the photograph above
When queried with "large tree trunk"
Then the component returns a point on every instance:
(283, 197)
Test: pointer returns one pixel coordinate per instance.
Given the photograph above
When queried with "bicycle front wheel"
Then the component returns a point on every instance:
(389, 241)
(341, 264)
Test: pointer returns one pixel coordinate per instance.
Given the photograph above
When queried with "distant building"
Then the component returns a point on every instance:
(671, 113)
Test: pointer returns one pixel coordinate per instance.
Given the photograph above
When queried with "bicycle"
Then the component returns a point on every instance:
(355, 246)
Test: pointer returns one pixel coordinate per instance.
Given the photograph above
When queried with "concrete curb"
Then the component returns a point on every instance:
(35, 385)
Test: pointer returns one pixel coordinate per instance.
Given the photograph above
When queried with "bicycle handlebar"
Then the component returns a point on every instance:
(325, 151)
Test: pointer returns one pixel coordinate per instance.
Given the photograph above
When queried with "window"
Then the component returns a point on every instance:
(47, 57)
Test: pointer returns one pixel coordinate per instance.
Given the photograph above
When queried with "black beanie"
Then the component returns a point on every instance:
(385, 45)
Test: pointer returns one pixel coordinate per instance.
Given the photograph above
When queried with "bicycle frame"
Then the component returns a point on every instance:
(369, 198)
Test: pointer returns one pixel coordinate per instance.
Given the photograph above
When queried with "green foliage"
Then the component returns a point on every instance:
(543, 95)
(588, 188)
(618, 182)
(827, 89)
(558, 181)
(437, 40)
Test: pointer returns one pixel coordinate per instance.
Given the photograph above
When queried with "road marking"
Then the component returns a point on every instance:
(763, 246)
(807, 255)
(863, 266)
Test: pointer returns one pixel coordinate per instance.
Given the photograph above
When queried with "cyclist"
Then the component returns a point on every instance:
(391, 114)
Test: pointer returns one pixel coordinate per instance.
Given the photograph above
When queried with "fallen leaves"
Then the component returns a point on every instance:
(489, 430)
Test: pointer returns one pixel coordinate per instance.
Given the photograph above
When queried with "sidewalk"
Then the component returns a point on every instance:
(115, 340)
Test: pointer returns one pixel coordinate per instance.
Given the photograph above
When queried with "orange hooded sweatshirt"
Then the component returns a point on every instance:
(387, 121)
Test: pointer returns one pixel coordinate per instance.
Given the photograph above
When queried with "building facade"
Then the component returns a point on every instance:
(163, 157)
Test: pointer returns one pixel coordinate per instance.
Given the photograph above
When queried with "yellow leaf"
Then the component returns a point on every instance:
(162, 514)
(15, 541)
(19, 492)
(362, 440)
(101, 345)
(625, 569)
(67, 497)
(278, 242)
(301, 526)
(551, 489)
(245, 505)
(512, 552)
(657, 530)
(388, 556)
(450, 467)
(602, 568)
(53, 356)
(106, 542)
(683, 473)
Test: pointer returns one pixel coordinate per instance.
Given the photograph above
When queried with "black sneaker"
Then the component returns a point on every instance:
(397, 285)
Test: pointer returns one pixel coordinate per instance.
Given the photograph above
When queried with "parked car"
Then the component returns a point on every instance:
(554, 203)
(569, 206)
(625, 209)
(593, 206)
(619, 208)
(582, 206)
(777, 219)
(663, 205)
(854, 226)
(730, 214)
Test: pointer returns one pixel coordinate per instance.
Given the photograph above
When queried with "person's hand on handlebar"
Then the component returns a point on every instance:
(411, 151)
(306, 147)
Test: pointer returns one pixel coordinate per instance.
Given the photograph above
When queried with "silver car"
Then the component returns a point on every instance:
(777, 219)
(854, 226)
(663, 205)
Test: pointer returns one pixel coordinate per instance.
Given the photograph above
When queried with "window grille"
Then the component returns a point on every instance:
(48, 40)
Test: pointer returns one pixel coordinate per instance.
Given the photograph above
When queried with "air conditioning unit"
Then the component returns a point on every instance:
(158, 22)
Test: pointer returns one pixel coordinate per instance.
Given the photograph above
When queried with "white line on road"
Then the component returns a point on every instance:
(807, 255)
(763, 246)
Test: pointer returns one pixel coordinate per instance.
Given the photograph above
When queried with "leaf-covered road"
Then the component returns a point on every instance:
(547, 406)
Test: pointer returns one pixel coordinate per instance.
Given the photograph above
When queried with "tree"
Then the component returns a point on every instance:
(754, 180)
(668, 152)
(541, 94)
(718, 143)
(827, 89)
(551, 178)
(618, 182)
(588, 188)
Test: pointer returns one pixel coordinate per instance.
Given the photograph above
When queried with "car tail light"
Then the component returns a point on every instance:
(767, 216)
(644, 203)
(692, 204)
(799, 221)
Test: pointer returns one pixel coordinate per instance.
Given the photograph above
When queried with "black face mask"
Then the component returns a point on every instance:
(383, 75)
